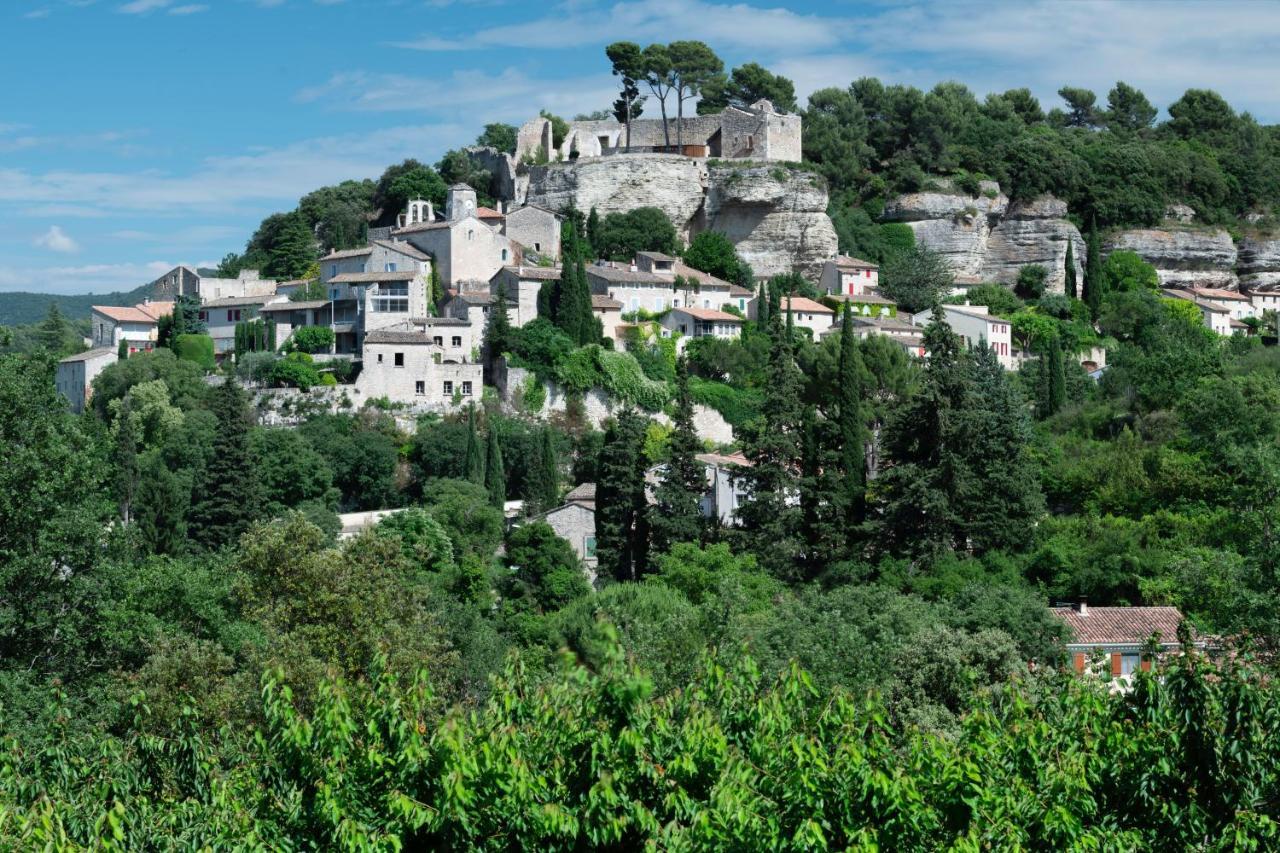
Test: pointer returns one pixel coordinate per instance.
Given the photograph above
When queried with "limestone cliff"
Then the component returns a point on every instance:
(1183, 257)
(1258, 263)
(988, 238)
(775, 215)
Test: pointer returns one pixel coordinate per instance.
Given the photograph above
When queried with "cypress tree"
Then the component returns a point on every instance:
(762, 306)
(547, 298)
(126, 461)
(497, 335)
(593, 232)
(1044, 401)
(1071, 270)
(823, 497)
(572, 309)
(676, 515)
(475, 460)
(622, 529)
(851, 378)
(769, 516)
(495, 478)
(122, 350)
(227, 493)
(1093, 283)
(542, 482)
(1057, 377)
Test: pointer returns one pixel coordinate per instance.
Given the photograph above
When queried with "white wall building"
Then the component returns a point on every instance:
(467, 249)
(655, 283)
(411, 367)
(849, 276)
(138, 324)
(521, 284)
(976, 325)
(220, 316)
(702, 322)
(74, 379)
(805, 313)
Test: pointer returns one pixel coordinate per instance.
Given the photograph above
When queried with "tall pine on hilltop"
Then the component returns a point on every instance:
(227, 496)
(676, 515)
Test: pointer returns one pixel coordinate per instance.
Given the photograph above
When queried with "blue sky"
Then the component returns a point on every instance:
(138, 134)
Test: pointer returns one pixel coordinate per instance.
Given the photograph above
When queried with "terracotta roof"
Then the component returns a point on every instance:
(846, 262)
(140, 313)
(1102, 625)
(488, 213)
(372, 277)
(390, 336)
(1219, 293)
(537, 273)
(604, 301)
(88, 354)
(724, 460)
(708, 314)
(295, 306)
(348, 253)
(800, 303)
(404, 248)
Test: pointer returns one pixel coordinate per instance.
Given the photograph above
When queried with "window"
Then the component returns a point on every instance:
(471, 234)
(537, 247)
(399, 359)
(233, 316)
(448, 388)
(1128, 663)
(635, 303)
(333, 270)
(204, 318)
(660, 304)
(742, 304)
(333, 294)
(466, 389)
(706, 303)
(504, 255)
(589, 546)
(456, 340)
(389, 267)
(420, 387)
(438, 340)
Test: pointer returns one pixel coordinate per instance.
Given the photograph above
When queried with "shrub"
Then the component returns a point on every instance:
(1031, 281)
(297, 371)
(739, 406)
(256, 366)
(533, 395)
(195, 348)
(311, 339)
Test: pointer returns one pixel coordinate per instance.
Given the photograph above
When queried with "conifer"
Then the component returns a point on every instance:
(474, 457)
(227, 496)
(676, 515)
(1070, 279)
(495, 477)
(622, 528)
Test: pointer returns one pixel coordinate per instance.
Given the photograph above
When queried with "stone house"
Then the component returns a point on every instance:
(416, 368)
(467, 249)
(976, 325)
(726, 488)
(185, 281)
(609, 312)
(1238, 305)
(700, 323)
(138, 324)
(1119, 636)
(220, 316)
(575, 522)
(536, 229)
(848, 276)
(1215, 315)
(906, 335)
(472, 307)
(521, 285)
(758, 132)
(1264, 300)
(74, 379)
(805, 313)
(655, 283)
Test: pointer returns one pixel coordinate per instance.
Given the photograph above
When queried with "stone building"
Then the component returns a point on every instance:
(472, 307)
(575, 522)
(185, 281)
(655, 282)
(609, 312)
(220, 317)
(536, 229)
(521, 285)
(138, 324)
(74, 379)
(413, 367)
(758, 132)
(1119, 637)
(805, 313)
(467, 249)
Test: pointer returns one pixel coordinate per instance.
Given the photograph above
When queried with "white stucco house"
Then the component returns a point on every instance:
(220, 316)
(701, 322)
(848, 276)
(137, 324)
(75, 375)
(805, 313)
(976, 325)
(655, 282)
(411, 367)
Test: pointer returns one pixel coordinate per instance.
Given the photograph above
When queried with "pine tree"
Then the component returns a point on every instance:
(542, 482)
(851, 419)
(160, 507)
(1071, 270)
(53, 330)
(1057, 377)
(823, 497)
(474, 457)
(769, 516)
(622, 528)
(676, 515)
(227, 495)
(122, 350)
(495, 478)
(1093, 283)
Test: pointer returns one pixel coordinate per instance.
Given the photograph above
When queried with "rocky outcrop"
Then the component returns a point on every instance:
(503, 181)
(1258, 263)
(776, 216)
(1183, 257)
(987, 238)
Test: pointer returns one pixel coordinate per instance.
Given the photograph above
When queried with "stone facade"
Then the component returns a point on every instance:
(521, 285)
(185, 281)
(536, 229)
(220, 317)
(1183, 257)
(654, 290)
(472, 308)
(75, 375)
(467, 250)
(409, 367)
(575, 523)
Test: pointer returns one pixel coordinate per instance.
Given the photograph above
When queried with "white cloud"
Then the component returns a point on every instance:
(191, 9)
(736, 25)
(141, 7)
(36, 14)
(57, 240)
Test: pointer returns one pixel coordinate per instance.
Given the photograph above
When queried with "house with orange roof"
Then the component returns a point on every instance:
(1122, 640)
(805, 313)
(139, 324)
(701, 323)
(848, 276)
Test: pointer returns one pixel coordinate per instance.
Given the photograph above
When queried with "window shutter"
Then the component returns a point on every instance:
(1079, 663)
(1146, 664)
(1115, 663)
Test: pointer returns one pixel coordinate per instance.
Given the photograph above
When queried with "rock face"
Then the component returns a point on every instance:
(987, 238)
(1258, 263)
(1183, 257)
(502, 167)
(776, 216)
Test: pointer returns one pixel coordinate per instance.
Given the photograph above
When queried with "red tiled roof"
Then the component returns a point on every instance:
(1103, 625)
(141, 313)
(488, 213)
(800, 303)
(709, 314)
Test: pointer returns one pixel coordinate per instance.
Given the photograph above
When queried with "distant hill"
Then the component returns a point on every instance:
(19, 309)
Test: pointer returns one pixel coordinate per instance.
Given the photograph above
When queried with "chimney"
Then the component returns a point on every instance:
(633, 266)
(1082, 607)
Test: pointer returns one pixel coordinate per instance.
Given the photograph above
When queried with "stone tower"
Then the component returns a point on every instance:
(460, 202)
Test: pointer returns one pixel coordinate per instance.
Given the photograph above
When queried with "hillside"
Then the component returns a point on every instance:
(21, 308)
